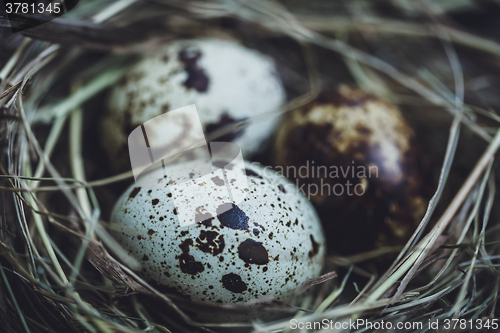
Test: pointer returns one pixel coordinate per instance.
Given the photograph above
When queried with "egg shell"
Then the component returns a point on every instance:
(266, 245)
(225, 80)
(345, 130)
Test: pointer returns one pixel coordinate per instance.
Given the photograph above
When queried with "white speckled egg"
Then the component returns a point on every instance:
(225, 80)
(266, 245)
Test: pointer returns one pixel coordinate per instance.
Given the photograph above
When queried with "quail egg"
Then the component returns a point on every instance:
(356, 158)
(265, 245)
(225, 80)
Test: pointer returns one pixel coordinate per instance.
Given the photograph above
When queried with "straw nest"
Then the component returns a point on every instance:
(62, 272)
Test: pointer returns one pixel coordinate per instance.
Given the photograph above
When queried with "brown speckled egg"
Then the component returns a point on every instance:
(355, 156)
(265, 245)
(225, 80)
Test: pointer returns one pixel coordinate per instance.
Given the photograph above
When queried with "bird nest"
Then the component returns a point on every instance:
(60, 269)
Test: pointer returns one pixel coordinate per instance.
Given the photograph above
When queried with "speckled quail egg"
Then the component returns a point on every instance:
(357, 159)
(225, 80)
(265, 245)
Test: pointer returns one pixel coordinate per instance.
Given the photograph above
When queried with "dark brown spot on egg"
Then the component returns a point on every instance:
(217, 181)
(210, 242)
(136, 76)
(151, 232)
(134, 192)
(252, 173)
(225, 120)
(253, 252)
(145, 258)
(187, 263)
(233, 283)
(315, 247)
(165, 108)
(203, 217)
(363, 130)
(155, 202)
(260, 226)
(197, 79)
(232, 216)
